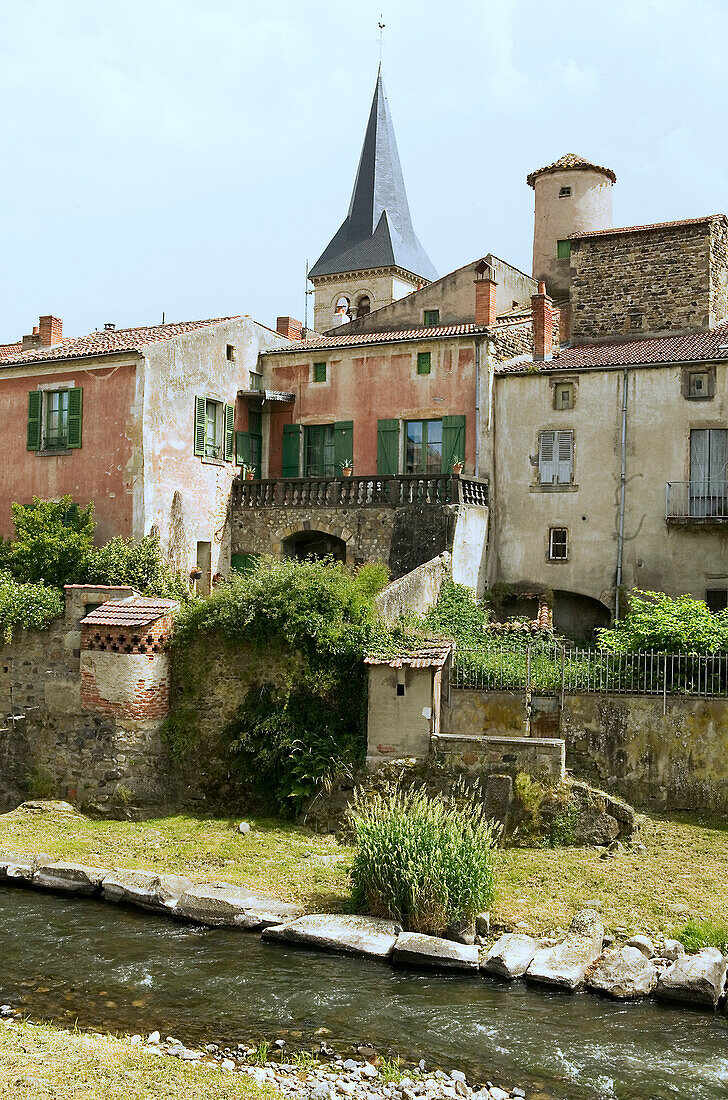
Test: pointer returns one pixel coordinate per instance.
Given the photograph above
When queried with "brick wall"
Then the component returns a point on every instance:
(666, 279)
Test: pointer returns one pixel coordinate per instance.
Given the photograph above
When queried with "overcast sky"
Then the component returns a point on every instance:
(188, 156)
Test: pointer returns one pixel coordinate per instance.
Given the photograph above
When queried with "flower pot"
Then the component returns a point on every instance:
(250, 475)
(457, 469)
(347, 471)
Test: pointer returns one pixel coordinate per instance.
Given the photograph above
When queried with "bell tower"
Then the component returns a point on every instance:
(375, 256)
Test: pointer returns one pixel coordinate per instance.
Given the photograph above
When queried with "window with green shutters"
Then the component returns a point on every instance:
(434, 446)
(54, 419)
(432, 317)
(424, 362)
(387, 448)
(563, 250)
(243, 563)
(291, 450)
(453, 442)
(319, 372)
(214, 429)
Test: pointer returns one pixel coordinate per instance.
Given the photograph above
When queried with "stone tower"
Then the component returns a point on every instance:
(375, 257)
(572, 195)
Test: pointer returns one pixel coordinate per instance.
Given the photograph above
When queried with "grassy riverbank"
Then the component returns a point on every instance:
(38, 1062)
(681, 874)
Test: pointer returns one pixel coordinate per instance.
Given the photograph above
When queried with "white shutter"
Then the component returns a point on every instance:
(546, 463)
(564, 457)
(718, 462)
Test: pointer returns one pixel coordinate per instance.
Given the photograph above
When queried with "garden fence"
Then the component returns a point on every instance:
(551, 669)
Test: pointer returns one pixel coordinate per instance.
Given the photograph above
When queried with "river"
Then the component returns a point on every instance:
(113, 968)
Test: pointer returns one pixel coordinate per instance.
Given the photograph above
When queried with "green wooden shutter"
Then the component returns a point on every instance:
(343, 443)
(35, 398)
(242, 449)
(75, 411)
(291, 450)
(200, 426)
(229, 432)
(388, 448)
(424, 362)
(453, 442)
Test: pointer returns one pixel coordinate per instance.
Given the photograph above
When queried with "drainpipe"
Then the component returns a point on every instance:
(622, 488)
(477, 407)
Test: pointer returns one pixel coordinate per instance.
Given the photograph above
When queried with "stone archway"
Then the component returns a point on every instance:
(293, 540)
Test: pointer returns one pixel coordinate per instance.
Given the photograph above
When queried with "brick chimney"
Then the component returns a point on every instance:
(289, 327)
(543, 330)
(485, 287)
(51, 331)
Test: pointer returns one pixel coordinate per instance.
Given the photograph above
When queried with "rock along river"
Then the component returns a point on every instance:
(119, 969)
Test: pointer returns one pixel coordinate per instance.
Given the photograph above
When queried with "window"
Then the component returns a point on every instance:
(698, 384)
(214, 429)
(432, 317)
(363, 306)
(319, 372)
(564, 192)
(319, 451)
(400, 689)
(564, 395)
(230, 353)
(423, 447)
(555, 458)
(256, 381)
(558, 544)
(54, 419)
(716, 599)
(563, 250)
(424, 362)
(709, 472)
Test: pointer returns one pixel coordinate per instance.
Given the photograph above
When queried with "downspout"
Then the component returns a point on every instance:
(477, 407)
(622, 489)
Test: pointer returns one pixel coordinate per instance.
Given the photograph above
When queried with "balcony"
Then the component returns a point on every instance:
(359, 492)
(698, 503)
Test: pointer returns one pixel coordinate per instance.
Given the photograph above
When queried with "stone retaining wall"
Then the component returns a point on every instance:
(542, 758)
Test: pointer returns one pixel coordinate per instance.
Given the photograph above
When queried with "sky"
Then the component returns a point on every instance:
(187, 157)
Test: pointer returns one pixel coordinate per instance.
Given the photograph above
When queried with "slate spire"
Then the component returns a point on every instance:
(377, 231)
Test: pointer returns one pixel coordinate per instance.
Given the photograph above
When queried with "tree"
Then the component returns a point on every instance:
(670, 625)
(53, 541)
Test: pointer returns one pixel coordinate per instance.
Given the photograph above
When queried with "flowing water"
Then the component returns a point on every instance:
(113, 968)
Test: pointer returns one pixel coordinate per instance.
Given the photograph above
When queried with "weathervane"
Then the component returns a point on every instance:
(381, 26)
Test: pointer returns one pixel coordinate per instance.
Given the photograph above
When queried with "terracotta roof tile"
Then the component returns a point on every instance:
(134, 611)
(644, 228)
(10, 349)
(323, 343)
(429, 655)
(571, 161)
(109, 342)
(696, 347)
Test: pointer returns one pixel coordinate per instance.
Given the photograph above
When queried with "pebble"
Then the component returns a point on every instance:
(153, 1038)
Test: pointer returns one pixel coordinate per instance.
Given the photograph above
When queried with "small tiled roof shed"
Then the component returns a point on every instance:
(139, 624)
(405, 690)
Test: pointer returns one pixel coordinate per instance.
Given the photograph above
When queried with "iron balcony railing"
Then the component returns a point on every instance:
(550, 669)
(352, 492)
(696, 500)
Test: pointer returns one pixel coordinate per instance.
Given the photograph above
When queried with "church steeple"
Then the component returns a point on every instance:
(377, 231)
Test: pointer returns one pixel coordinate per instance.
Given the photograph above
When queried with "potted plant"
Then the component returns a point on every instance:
(347, 467)
(249, 473)
(457, 467)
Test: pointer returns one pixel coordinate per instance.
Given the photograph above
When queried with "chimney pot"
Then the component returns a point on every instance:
(35, 330)
(485, 296)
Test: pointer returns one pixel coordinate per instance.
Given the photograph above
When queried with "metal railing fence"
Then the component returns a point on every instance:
(550, 669)
(697, 500)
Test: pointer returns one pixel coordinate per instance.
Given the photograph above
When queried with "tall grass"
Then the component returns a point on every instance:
(426, 862)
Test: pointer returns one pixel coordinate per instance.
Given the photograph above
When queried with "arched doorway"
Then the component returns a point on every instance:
(314, 544)
(579, 616)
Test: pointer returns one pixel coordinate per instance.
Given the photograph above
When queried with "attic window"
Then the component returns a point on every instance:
(431, 317)
(698, 384)
(230, 353)
(564, 192)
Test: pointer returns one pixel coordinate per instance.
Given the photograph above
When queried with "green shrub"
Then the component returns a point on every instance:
(308, 625)
(53, 541)
(696, 934)
(668, 625)
(426, 862)
(140, 564)
(31, 606)
(457, 615)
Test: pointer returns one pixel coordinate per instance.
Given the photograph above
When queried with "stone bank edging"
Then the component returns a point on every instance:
(576, 962)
